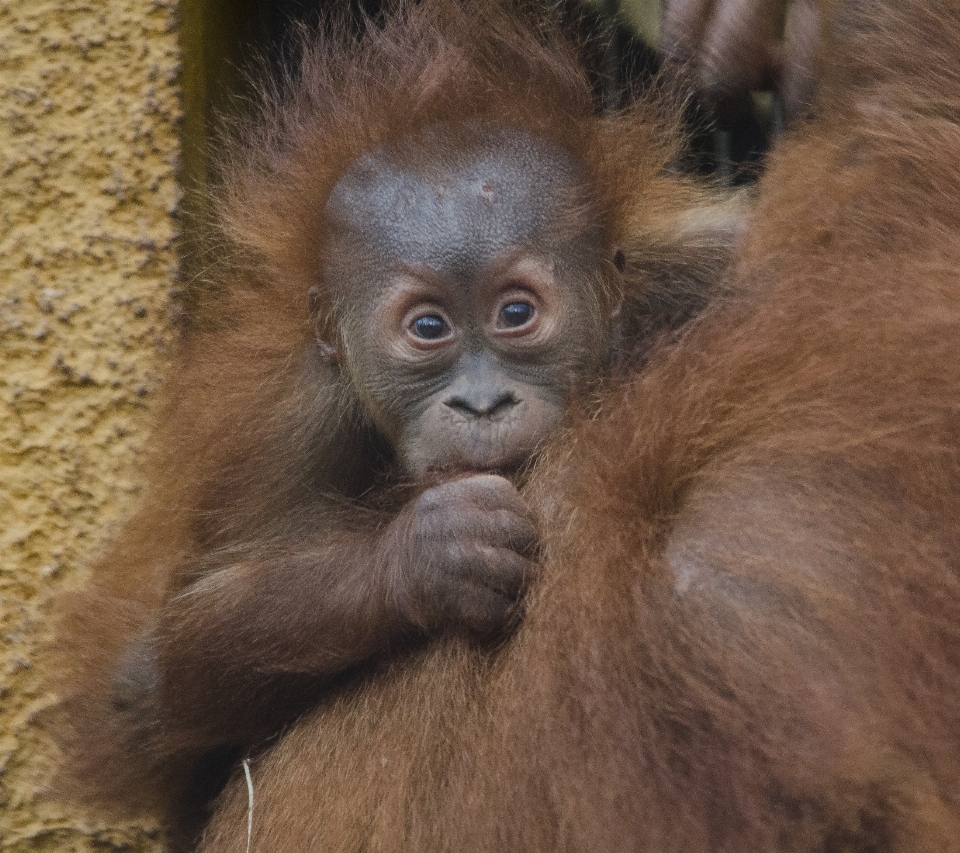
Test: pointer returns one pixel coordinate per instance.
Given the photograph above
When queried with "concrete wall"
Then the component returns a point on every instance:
(88, 152)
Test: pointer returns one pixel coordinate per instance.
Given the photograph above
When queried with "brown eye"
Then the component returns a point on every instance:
(430, 327)
(516, 314)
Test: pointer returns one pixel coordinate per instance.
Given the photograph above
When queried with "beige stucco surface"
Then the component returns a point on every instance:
(88, 148)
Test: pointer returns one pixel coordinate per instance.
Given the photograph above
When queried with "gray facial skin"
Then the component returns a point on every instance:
(453, 225)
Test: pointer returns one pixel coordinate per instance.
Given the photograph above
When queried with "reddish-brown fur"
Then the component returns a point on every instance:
(745, 634)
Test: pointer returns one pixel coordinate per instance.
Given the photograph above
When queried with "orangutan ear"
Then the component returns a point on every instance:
(673, 270)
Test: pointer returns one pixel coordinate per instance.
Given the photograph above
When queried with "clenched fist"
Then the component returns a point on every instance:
(459, 555)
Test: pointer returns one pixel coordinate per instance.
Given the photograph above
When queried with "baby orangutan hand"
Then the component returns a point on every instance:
(459, 555)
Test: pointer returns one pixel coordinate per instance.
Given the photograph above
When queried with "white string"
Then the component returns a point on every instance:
(246, 773)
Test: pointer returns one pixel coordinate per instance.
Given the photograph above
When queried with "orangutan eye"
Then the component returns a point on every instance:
(430, 327)
(516, 314)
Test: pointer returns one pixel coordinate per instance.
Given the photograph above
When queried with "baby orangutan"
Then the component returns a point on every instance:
(466, 269)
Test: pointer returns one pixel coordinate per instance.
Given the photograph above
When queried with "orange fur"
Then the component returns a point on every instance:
(744, 637)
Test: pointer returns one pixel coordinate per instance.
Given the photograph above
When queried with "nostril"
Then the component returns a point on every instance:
(460, 405)
(482, 406)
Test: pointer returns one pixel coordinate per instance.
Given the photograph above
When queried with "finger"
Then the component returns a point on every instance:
(506, 529)
(502, 570)
(486, 491)
(492, 492)
(498, 569)
(486, 612)
(799, 67)
(684, 25)
(739, 48)
(500, 528)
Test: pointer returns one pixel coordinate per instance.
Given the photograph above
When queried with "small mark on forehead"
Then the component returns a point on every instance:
(439, 197)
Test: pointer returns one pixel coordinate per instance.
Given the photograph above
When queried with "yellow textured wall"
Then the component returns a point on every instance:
(88, 148)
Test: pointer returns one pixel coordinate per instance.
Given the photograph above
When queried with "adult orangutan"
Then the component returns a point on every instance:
(475, 526)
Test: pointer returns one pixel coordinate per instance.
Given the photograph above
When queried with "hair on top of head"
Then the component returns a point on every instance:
(439, 62)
